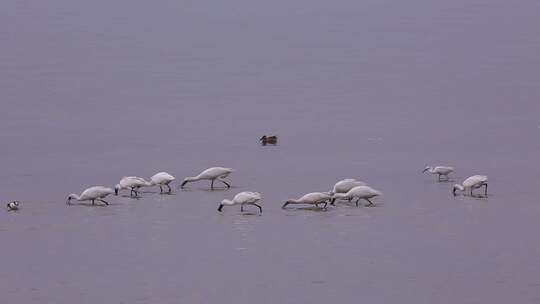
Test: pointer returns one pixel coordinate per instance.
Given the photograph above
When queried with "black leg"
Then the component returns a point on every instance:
(92, 202)
(227, 184)
(260, 208)
(485, 190)
(212, 185)
(170, 190)
(439, 179)
(104, 202)
(242, 208)
(471, 191)
(370, 203)
(357, 202)
(325, 204)
(160, 189)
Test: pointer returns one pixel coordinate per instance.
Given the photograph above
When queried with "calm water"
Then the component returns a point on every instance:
(91, 91)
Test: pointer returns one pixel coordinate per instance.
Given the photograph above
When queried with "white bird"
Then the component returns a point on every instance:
(132, 183)
(360, 192)
(440, 170)
(162, 179)
(314, 198)
(473, 182)
(211, 174)
(343, 186)
(242, 198)
(13, 206)
(97, 193)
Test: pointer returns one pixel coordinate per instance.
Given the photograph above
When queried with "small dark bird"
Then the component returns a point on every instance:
(268, 140)
(13, 206)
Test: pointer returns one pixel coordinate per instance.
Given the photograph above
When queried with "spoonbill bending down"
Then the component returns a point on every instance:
(344, 185)
(473, 182)
(359, 192)
(162, 179)
(440, 171)
(314, 198)
(13, 206)
(242, 198)
(96, 193)
(211, 174)
(133, 183)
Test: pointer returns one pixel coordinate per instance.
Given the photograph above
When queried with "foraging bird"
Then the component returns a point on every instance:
(162, 179)
(343, 186)
(359, 192)
(440, 170)
(132, 183)
(242, 198)
(314, 198)
(265, 140)
(97, 193)
(211, 174)
(13, 206)
(473, 182)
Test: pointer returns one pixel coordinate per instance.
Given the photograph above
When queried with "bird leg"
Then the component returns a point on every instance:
(227, 184)
(104, 202)
(242, 208)
(325, 204)
(170, 190)
(160, 189)
(92, 202)
(212, 185)
(485, 190)
(260, 208)
(439, 179)
(370, 203)
(357, 202)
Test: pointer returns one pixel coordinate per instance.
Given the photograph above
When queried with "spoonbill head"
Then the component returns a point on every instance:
(359, 192)
(471, 183)
(242, 198)
(162, 179)
(96, 193)
(133, 183)
(439, 170)
(13, 206)
(314, 198)
(211, 174)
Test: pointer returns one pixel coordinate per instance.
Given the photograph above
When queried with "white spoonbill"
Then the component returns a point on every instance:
(359, 192)
(314, 198)
(440, 171)
(97, 193)
(211, 174)
(473, 182)
(344, 185)
(132, 183)
(242, 198)
(162, 179)
(13, 206)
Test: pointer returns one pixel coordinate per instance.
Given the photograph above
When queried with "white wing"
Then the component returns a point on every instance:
(474, 180)
(162, 177)
(443, 169)
(247, 197)
(96, 192)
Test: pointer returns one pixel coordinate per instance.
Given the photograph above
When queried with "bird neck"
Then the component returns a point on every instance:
(74, 196)
(227, 202)
(459, 187)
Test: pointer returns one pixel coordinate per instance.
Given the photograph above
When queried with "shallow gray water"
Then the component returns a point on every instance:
(95, 90)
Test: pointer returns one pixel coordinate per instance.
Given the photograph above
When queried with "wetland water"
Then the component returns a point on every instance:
(95, 90)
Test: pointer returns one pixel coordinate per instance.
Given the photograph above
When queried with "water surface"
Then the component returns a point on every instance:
(93, 91)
